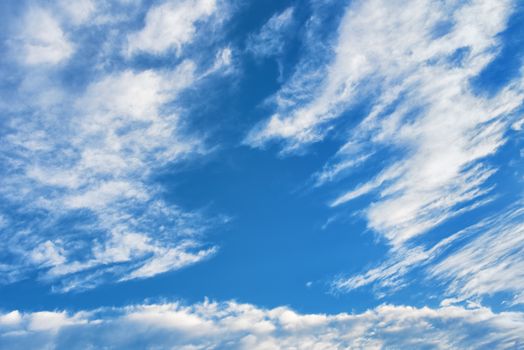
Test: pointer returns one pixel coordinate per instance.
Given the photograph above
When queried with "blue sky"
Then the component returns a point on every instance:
(261, 175)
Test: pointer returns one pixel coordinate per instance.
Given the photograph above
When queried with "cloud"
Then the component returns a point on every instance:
(490, 263)
(340, 166)
(50, 321)
(422, 108)
(379, 45)
(78, 12)
(41, 39)
(428, 127)
(243, 326)
(480, 261)
(299, 89)
(270, 40)
(97, 160)
(170, 25)
(12, 318)
(80, 205)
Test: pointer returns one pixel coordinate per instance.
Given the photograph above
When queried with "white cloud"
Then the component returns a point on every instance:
(49, 321)
(78, 12)
(270, 40)
(424, 112)
(242, 326)
(223, 60)
(12, 318)
(392, 50)
(479, 261)
(48, 253)
(41, 40)
(170, 25)
(96, 157)
(440, 126)
(339, 166)
(171, 259)
(114, 134)
(490, 263)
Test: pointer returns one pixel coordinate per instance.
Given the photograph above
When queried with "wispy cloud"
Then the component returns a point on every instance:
(491, 263)
(242, 326)
(80, 206)
(270, 40)
(391, 50)
(98, 157)
(170, 25)
(482, 260)
(413, 64)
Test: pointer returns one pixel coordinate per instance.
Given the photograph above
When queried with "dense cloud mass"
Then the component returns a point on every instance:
(231, 325)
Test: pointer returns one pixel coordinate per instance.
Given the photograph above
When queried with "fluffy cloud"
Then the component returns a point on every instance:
(242, 326)
(78, 12)
(41, 39)
(170, 25)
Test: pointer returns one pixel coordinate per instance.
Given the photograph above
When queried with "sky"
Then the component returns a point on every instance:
(239, 174)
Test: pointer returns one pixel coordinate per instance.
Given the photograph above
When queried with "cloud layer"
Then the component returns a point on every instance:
(243, 326)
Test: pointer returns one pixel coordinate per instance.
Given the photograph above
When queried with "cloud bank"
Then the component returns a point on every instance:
(232, 325)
